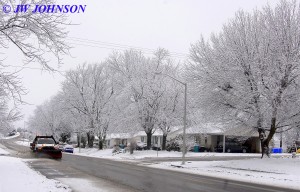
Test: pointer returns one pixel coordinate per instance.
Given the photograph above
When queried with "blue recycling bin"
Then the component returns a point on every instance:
(196, 148)
(277, 150)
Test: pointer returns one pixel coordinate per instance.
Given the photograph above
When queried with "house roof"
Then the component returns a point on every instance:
(219, 129)
(157, 132)
(242, 131)
(118, 136)
(208, 128)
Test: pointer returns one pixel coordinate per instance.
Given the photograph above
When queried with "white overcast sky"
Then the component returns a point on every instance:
(170, 24)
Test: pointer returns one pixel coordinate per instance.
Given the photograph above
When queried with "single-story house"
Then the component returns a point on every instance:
(211, 135)
(208, 135)
(156, 138)
(113, 139)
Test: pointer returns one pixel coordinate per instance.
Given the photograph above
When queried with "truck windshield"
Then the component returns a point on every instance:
(46, 141)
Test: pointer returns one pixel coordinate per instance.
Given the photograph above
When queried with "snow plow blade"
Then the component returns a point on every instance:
(50, 152)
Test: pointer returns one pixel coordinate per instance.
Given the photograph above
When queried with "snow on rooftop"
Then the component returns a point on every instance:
(242, 131)
(206, 128)
(118, 136)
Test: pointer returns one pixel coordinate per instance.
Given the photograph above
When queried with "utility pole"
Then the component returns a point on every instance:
(184, 114)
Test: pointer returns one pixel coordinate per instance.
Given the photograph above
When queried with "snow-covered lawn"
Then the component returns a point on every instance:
(275, 171)
(17, 176)
(107, 153)
(10, 137)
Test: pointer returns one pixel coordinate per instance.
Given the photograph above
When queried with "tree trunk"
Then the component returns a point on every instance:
(265, 143)
(149, 135)
(164, 141)
(90, 139)
(100, 143)
(272, 131)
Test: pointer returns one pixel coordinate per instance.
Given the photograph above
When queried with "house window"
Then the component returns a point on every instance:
(142, 139)
(108, 143)
(160, 140)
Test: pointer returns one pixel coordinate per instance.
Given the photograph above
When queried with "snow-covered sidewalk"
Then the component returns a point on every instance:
(17, 176)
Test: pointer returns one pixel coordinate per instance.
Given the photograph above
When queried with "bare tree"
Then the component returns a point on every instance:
(37, 36)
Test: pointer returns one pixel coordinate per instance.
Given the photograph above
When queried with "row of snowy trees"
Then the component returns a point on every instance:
(246, 76)
(122, 95)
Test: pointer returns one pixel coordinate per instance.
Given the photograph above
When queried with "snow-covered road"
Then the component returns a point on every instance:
(280, 170)
(17, 176)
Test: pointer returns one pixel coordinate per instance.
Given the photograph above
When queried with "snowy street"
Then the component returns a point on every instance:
(278, 171)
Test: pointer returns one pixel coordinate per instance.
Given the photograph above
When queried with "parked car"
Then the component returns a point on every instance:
(12, 133)
(199, 148)
(141, 145)
(156, 147)
(204, 149)
(68, 148)
(232, 147)
(293, 149)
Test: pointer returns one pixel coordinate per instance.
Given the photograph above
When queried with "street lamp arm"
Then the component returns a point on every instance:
(160, 73)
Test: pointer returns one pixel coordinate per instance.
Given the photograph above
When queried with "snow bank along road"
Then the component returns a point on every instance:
(146, 178)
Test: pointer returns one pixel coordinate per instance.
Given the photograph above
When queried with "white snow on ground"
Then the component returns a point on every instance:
(24, 142)
(14, 136)
(279, 170)
(3, 152)
(274, 171)
(17, 176)
(107, 153)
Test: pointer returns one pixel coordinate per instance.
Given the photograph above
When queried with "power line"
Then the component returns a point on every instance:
(103, 45)
(116, 46)
(35, 68)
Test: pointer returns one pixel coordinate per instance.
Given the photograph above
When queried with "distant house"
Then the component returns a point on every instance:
(208, 135)
(156, 138)
(113, 139)
(211, 135)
